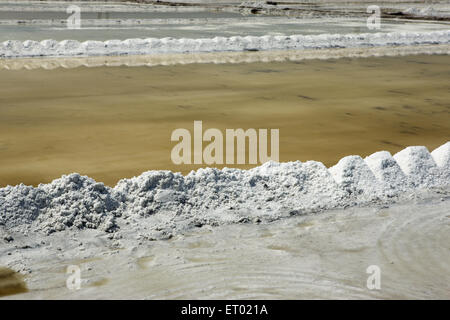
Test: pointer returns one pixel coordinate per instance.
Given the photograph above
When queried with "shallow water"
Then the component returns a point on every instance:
(116, 122)
(11, 282)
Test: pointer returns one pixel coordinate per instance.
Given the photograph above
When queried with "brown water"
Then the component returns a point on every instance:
(116, 122)
(11, 282)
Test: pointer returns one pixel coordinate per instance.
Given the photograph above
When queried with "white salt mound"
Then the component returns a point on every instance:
(386, 170)
(168, 201)
(20, 205)
(71, 201)
(418, 164)
(441, 155)
(354, 176)
(78, 201)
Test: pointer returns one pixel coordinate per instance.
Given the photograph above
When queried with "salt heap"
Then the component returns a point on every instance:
(354, 176)
(441, 155)
(418, 164)
(386, 170)
(72, 200)
(20, 205)
(167, 200)
(152, 191)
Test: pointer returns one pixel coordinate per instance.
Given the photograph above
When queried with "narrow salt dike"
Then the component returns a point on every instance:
(71, 48)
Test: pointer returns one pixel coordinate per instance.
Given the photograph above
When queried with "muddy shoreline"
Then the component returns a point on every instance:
(324, 256)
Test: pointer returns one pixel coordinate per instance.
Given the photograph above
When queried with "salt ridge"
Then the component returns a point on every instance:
(70, 48)
(170, 201)
(220, 57)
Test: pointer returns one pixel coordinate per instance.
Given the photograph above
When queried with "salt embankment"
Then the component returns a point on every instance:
(70, 48)
(169, 201)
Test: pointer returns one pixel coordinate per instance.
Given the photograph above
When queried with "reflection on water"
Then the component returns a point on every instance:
(11, 282)
(220, 57)
(116, 122)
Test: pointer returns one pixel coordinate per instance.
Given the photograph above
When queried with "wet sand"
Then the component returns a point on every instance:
(324, 256)
(115, 122)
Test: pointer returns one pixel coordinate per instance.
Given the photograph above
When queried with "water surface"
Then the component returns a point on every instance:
(116, 122)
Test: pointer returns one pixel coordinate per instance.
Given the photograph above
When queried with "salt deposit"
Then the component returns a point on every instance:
(428, 11)
(354, 176)
(220, 57)
(418, 164)
(67, 48)
(442, 155)
(386, 170)
(170, 202)
(72, 200)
